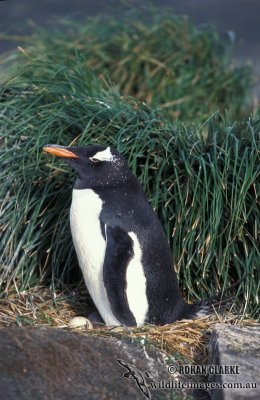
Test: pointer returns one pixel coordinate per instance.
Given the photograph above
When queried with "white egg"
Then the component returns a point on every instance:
(80, 322)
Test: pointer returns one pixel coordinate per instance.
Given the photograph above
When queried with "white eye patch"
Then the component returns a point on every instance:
(104, 155)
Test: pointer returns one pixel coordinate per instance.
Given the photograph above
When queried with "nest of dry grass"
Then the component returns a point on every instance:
(185, 340)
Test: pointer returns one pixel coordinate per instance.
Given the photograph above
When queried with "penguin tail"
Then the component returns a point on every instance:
(212, 304)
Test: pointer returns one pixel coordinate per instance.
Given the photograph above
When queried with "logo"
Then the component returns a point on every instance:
(137, 376)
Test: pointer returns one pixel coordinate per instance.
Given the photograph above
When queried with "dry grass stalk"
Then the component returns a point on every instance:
(40, 307)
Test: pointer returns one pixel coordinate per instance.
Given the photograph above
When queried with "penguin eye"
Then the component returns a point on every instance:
(93, 159)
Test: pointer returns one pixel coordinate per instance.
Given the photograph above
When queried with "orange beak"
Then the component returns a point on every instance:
(59, 151)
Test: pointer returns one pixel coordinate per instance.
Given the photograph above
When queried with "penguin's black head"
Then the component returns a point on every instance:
(96, 166)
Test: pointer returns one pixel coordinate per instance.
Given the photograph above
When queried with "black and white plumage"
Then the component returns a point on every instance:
(121, 247)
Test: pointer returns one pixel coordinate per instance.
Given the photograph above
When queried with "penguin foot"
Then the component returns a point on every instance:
(96, 319)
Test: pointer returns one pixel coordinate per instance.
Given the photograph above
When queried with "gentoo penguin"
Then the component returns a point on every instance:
(121, 246)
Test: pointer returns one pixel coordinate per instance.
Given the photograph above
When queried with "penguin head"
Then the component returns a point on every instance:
(95, 165)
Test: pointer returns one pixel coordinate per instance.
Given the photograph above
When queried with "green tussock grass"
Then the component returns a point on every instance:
(201, 179)
(160, 58)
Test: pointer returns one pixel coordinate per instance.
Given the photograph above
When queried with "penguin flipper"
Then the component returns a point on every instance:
(119, 252)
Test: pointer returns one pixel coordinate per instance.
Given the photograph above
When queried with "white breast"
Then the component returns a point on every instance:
(90, 247)
(136, 284)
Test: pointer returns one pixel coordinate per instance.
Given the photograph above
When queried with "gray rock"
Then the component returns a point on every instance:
(47, 363)
(238, 347)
